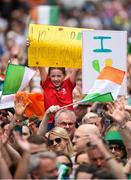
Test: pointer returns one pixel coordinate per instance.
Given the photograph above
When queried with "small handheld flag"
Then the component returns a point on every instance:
(16, 79)
(106, 87)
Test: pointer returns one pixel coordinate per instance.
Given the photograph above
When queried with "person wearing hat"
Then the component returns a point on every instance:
(116, 145)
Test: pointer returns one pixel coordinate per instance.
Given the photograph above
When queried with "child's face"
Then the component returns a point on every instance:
(56, 77)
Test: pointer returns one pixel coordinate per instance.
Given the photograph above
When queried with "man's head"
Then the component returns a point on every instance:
(38, 143)
(96, 158)
(81, 136)
(103, 173)
(65, 159)
(93, 118)
(82, 158)
(67, 120)
(85, 171)
(34, 123)
(46, 168)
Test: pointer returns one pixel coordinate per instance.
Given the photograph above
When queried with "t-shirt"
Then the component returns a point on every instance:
(60, 97)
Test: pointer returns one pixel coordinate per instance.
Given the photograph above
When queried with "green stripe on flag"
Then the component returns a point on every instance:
(13, 79)
(54, 15)
(96, 97)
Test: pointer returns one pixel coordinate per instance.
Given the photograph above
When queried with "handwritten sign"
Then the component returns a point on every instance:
(100, 49)
(55, 46)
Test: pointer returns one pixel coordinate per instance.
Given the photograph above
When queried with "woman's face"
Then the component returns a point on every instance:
(25, 132)
(57, 144)
(56, 77)
(116, 150)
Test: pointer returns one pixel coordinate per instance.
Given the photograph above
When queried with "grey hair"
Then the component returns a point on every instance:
(65, 111)
(36, 158)
(46, 154)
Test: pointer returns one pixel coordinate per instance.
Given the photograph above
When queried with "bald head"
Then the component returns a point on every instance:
(81, 137)
(87, 129)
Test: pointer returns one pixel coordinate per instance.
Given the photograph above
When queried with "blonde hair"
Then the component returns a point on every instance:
(62, 133)
(87, 116)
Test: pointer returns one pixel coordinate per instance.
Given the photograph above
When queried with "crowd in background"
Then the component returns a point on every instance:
(95, 14)
(89, 141)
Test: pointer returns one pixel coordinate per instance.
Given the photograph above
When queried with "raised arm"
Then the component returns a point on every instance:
(14, 155)
(121, 117)
(43, 125)
(23, 164)
(115, 167)
(4, 170)
(42, 70)
(43, 73)
(72, 75)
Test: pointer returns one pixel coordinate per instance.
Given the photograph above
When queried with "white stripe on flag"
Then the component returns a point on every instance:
(28, 74)
(43, 14)
(7, 101)
(105, 86)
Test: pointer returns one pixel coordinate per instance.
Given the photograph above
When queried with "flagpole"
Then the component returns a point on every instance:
(68, 105)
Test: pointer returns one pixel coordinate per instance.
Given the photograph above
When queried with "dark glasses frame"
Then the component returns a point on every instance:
(115, 147)
(57, 140)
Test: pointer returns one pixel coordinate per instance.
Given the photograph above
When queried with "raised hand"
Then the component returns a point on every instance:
(12, 119)
(117, 111)
(52, 109)
(94, 140)
(20, 107)
(23, 144)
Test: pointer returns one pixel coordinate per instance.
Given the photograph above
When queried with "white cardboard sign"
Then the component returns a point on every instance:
(102, 48)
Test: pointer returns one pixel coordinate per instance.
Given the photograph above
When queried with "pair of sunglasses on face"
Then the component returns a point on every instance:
(115, 147)
(57, 141)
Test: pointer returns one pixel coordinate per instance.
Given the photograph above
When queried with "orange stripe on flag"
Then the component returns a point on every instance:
(112, 74)
(34, 14)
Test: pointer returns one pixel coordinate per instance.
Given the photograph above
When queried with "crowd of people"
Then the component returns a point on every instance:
(81, 141)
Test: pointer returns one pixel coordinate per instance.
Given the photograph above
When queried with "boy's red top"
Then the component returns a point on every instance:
(60, 97)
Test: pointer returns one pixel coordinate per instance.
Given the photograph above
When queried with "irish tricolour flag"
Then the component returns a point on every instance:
(16, 79)
(45, 14)
(106, 87)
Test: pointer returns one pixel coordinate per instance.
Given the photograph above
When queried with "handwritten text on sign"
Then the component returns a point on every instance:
(100, 49)
(55, 46)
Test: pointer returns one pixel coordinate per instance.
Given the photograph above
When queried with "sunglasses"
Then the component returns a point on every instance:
(57, 140)
(115, 148)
